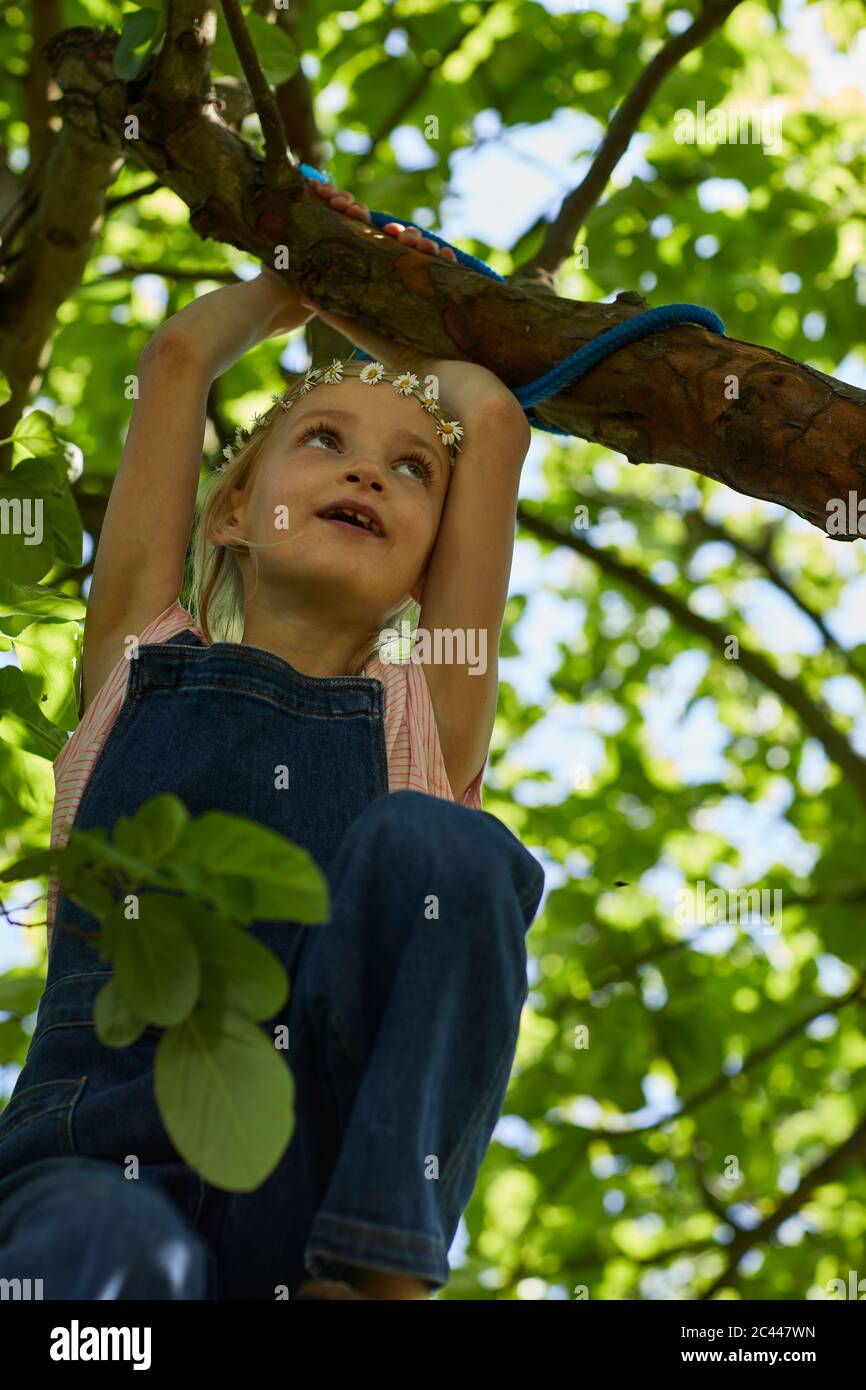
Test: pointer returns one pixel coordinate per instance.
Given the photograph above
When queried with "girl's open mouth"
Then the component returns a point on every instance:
(352, 521)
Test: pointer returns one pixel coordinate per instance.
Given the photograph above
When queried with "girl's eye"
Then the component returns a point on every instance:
(317, 434)
(423, 467)
(420, 464)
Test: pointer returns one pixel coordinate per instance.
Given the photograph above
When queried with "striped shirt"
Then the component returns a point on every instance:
(415, 761)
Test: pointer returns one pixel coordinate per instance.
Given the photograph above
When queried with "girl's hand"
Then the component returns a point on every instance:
(283, 303)
(341, 201)
(288, 312)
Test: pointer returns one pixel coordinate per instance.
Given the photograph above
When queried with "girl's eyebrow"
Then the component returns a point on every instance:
(349, 415)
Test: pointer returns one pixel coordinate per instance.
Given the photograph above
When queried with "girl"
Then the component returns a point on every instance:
(355, 495)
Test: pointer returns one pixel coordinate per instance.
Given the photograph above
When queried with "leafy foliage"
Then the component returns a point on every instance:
(676, 1082)
(173, 895)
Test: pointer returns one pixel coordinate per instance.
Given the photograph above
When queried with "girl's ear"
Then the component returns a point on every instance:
(231, 524)
(222, 533)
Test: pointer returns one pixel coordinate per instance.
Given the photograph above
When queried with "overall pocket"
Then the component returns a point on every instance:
(39, 1122)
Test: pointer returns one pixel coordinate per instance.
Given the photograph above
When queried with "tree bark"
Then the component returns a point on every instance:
(789, 435)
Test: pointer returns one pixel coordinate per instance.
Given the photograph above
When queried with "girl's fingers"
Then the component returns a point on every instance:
(344, 202)
(341, 200)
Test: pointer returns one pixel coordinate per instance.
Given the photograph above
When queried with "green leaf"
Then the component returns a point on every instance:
(22, 722)
(28, 780)
(249, 871)
(29, 600)
(139, 34)
(224, 56)
(277, 53)
(14, 1042)
(5, 389)
(237, 969)
(154, 959)
(32, 865)
(116, 1022)
(226, 1098)
(96, 844)
(20, 993)
(36, 433)
(46, 525)
(47, 652)
(154, 829)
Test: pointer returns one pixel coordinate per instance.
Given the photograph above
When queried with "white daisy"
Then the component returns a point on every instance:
(450, 431)
(228, 453)
(406, 383)
(310, 380)
(373, 372)
(334, 373)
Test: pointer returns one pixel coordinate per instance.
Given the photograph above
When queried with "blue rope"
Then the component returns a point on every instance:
(585, 358)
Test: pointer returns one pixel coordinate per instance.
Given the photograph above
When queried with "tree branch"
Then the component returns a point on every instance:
(169, 272)
(760, 554)
(79, 168)
(276, 161)
(812, 714)
(852, 1148)
(182, 74)
(294, 98)
(38, 111)
(417, 87)
(791, 435)
(123, 198)
(562, 233)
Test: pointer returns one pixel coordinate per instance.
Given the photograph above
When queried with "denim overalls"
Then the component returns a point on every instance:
(403, 1010)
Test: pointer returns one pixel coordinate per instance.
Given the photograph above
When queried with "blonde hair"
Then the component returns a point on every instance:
(216, 600)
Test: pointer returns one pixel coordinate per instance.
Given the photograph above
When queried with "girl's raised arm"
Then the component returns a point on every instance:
(138, 571)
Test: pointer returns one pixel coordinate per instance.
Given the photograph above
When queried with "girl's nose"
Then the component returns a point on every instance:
(366, 470)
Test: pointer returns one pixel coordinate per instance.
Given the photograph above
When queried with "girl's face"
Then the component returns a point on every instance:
(347, 444)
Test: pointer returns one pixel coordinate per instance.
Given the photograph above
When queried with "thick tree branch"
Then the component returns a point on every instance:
(182, 73)
(790, 435)
(559, 240)
(812, 714)
(79, 168)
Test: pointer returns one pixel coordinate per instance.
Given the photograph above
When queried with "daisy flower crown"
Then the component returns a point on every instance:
(404, 383)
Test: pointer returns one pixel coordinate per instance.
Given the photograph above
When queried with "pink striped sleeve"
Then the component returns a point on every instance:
(76, 761)
(415, 758)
